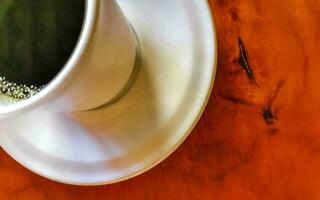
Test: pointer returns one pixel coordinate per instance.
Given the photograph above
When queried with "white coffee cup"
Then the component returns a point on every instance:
(98, 69)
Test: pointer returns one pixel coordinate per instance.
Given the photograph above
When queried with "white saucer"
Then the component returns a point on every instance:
(140, 130)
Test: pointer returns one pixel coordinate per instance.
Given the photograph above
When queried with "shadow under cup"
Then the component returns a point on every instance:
(36, 40)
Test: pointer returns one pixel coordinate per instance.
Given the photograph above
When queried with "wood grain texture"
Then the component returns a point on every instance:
(256, 140)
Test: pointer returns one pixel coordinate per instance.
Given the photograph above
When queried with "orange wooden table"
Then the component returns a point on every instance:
(260, 135)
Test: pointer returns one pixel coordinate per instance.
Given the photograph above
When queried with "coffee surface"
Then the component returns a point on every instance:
(37, 37)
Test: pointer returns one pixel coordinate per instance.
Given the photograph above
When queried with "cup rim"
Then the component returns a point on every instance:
(55, 85)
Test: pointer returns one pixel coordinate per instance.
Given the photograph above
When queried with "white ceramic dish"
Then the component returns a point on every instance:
(122, 140)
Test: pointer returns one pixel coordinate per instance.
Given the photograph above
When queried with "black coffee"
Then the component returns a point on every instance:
(36, 39)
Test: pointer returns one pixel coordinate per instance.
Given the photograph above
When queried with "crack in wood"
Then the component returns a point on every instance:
(268, 115)
(243, 61)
